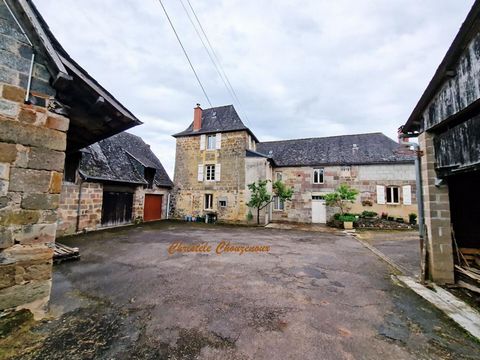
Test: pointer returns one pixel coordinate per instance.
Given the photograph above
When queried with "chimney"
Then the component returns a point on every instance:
(197, 118)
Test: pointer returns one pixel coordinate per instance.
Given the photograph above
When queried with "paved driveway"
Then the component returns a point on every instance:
(312, 296)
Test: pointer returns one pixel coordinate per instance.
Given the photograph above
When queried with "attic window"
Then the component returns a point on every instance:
(149, 174)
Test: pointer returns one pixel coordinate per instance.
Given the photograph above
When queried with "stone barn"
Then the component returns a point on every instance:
(446, 121)
(116, 181)
(49, 108)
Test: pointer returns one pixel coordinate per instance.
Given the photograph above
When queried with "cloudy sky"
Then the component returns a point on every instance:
(300, 68)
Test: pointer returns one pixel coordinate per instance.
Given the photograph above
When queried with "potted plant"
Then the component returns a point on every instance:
(412, 219)
(343, 196)
(348, 221)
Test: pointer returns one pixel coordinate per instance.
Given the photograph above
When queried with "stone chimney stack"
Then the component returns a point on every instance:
(197, 118)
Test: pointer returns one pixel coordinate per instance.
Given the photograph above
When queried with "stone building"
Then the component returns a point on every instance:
(218, 156)
(115, 181)
(446, 121)
(49, 107)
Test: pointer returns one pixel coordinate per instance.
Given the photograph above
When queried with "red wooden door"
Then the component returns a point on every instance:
(152, 209)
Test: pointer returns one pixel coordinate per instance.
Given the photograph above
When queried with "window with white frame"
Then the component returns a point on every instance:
(317, 176)
(208, 201)
(278, 203)
(210, 172)
(278, 176)
(392, 195)
(211, 142)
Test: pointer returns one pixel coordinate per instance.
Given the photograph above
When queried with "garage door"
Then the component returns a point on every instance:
(153, 207)
(319, 210)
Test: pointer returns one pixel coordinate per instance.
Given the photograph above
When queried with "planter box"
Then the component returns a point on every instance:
(348, 225)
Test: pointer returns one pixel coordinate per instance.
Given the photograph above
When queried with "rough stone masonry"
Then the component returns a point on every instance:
(32, 154)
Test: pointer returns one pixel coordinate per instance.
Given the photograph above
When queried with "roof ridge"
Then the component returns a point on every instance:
(325, 137)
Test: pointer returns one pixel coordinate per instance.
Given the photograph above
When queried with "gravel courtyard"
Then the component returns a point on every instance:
(312, 296)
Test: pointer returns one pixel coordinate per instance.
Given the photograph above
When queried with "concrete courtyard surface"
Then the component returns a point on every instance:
(402, 247)
(312, 296)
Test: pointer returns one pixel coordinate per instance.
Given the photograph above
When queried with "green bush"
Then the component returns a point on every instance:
(347, 218)
(369, 214)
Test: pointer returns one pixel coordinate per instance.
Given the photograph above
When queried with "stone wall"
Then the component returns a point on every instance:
(32, 145)
(437, 216)
(139, 201)
(364, 178)
(90, 212)
(91, 206)
(189, 196)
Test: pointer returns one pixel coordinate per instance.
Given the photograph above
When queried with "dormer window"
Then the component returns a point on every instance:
(211, 142)
(149, 174)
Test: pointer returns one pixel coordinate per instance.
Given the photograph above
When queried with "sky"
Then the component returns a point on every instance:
(299, 68)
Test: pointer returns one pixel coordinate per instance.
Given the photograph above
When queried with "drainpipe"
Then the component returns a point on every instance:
(168, 206)
(419, 192)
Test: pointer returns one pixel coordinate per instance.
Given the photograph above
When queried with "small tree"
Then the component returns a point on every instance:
(341, 198)
(260, 196)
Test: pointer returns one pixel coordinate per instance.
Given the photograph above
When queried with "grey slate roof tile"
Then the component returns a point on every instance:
(217, 119)
(121, 158)
(372, 148)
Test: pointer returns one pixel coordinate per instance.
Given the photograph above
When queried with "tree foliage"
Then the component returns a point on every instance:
(260, 197)
(341, 198)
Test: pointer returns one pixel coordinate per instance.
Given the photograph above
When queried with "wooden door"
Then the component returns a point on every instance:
(319, 211)
(116, 208)
(152, 209)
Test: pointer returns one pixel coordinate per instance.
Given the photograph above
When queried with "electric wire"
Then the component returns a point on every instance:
(185, 52)
(208, 51)
(217, 58)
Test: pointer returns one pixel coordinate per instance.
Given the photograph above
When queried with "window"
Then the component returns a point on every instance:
(318, 176)
(318, 197)
(210, 170)
(149, 174)
(278, 204)
(222, 203)
(278, 176)
(211, 142)
(208, 201)
(392, 195)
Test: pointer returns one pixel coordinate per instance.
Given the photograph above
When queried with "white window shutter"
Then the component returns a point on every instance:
(218, 137)
(407, 194)
(200, 172)
(380, 194)
(202, 142)
(217, 172)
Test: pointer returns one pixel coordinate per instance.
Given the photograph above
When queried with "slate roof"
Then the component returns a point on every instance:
(121, 158)
(373, 148)
(217, 119)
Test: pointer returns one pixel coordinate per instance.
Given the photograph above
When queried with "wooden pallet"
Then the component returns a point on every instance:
(65, 253)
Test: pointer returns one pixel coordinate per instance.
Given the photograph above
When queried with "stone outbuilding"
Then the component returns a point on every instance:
(49, 108)
(446, 121)
(116, 181)
(217, 156)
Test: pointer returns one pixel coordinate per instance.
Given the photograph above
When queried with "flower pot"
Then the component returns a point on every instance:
(348, 225)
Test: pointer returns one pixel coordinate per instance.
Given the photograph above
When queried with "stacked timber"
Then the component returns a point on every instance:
(65, 253)
(468, 272)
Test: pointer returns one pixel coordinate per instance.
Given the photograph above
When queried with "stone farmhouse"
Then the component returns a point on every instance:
(49, 108)
(113, 182)
(217, 156)
(446, 121)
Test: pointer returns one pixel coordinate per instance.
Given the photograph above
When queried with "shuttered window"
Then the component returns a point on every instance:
(407, 194)
(393, 196)
(210, 172)
(380, 194)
